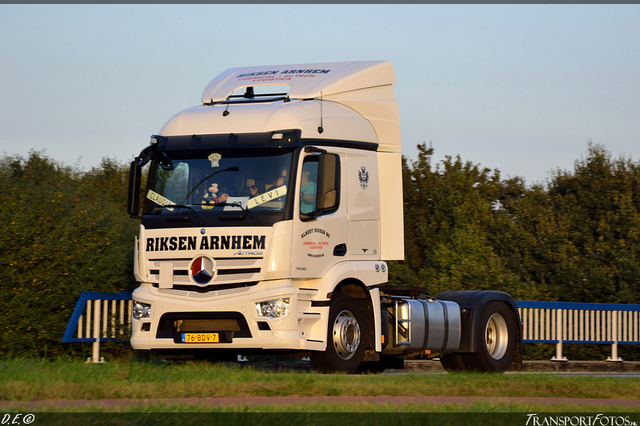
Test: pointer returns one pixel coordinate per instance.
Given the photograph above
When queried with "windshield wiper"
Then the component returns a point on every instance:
(237, 204)
(182, 206)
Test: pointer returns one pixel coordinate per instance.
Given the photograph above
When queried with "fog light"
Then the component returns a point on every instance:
(275, 308)
(141, 310)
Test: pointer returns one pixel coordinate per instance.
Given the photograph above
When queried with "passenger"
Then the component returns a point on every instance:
(253, 188)
(280, 180)
(307, 193)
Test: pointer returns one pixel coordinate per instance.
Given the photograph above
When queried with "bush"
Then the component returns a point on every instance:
(64, 232)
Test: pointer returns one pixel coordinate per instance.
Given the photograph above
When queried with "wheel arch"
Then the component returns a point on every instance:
(471, 304)
(359, 291)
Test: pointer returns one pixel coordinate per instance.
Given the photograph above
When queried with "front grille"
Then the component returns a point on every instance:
(229, 272)
(206, 292)
(196, 325)
(246, 271)
(217, 288)
(203, 322)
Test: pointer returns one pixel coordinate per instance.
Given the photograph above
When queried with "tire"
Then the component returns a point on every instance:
(372, 367)
(376, 367)
(496, 340)
(453, 363)
(345, 338)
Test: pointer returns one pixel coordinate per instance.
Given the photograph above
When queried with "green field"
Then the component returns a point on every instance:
(26, 380)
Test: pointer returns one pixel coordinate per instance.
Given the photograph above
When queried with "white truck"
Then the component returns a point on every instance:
(268, 217)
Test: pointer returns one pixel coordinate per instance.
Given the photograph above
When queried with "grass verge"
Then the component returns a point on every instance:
(41, 380)
(476, 407)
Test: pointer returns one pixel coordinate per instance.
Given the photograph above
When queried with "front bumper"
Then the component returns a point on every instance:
(230, 310)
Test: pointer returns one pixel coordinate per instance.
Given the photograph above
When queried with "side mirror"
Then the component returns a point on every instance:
(135, 177)
(328, 196)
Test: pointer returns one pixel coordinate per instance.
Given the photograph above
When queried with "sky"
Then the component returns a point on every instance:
(522, 89)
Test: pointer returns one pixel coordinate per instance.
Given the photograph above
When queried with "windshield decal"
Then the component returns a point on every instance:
(215, 159)
(267, 196)
(241, 201)
(159, 199)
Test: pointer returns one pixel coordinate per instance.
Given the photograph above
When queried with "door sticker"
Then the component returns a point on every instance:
(315, 242)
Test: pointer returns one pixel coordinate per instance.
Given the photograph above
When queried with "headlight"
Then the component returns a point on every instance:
(141, 310)
(274, 308)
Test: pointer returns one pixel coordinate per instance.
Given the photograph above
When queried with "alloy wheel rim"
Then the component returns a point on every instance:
(496, 336)
(346, 335)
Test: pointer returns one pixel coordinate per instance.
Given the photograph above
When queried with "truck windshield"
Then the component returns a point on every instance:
(220, 185)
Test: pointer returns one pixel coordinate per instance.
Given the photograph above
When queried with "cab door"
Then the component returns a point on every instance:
(320, 229)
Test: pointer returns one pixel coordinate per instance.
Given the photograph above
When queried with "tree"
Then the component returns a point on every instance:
(455, 233)
(598, 209)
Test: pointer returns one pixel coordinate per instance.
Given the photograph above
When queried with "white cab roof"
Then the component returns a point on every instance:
(357, 103)
(307, 81)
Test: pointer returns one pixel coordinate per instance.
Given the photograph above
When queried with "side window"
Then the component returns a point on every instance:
(309, 185)
(319, 185)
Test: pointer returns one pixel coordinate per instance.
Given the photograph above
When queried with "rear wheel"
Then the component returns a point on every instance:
(496, 341)
(345, 338)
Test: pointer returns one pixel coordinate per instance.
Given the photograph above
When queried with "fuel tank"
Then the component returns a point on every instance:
(416, 325)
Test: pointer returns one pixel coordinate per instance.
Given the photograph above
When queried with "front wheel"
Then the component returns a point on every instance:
(345, 344)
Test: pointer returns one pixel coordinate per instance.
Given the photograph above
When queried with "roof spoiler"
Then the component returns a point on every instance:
(306, 81)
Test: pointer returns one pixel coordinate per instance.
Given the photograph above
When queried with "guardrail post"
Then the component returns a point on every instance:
(95, 358)
(588, 323)
(614, 336)
(559, 336)
(82, 319)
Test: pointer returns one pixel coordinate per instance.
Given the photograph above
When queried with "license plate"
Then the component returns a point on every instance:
(200, 338)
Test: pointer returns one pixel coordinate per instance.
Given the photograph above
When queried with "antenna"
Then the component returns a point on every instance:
(321, 129)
